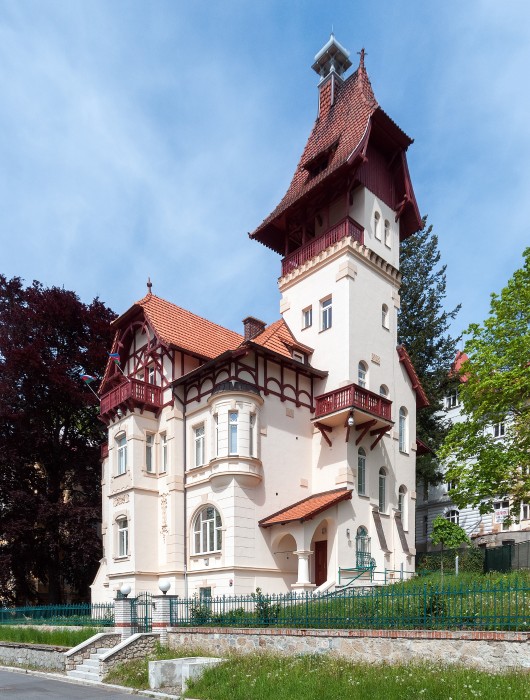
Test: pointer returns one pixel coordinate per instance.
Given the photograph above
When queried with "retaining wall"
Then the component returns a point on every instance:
(42, 656)
(485, 650)
(135, 647)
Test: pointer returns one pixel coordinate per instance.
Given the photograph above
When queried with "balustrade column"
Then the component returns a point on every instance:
(303, 583)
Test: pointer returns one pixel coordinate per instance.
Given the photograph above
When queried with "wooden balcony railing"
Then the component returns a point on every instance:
(133, 392)
(353, 396)
(346, 227)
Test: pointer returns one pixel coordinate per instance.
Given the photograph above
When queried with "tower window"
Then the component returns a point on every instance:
(361, 472)
(377, 225)
(121, 442)
(149, 446)
(362, 375)
(387, 234)
(123, 537)
(403, 430)
(385, 321)
(232, 433)
(307, 317)
(382, 490)
(326, 313)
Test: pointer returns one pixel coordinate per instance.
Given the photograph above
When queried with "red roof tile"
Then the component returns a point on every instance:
(421, 396)
(307, 508)
(278, 337)
(456, 367)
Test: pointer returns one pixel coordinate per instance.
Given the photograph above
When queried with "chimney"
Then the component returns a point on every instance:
(330, 63)
(253, 327)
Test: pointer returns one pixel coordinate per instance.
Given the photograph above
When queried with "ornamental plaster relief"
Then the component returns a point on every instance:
(120, 500)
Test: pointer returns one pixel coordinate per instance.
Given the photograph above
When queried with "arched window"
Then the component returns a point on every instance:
(362, 375)
(402, 496)
(377, 227)
(387, 234)
(361, 472)
(385, 321)
(362, 548)
(403, 429)
(121, 443)
(232, 432)
(207, 532)
(123, 536)
(383, 390)
(453, 516)
(382, 490)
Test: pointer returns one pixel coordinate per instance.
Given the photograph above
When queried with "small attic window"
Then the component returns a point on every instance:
(321, 161)
(299, 356)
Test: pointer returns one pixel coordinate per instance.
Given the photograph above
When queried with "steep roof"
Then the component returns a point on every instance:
(343, 131)
(307, 508)
(278, 337)
(183, 329)
(421, 396)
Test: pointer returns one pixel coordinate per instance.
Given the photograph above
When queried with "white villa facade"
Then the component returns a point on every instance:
(276, 457)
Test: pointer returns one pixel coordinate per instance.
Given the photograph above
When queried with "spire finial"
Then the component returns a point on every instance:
(149, 285)
(362, 53)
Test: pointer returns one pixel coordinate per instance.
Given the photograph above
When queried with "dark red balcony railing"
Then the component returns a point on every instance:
(135, 391)
(353, 396)
(346, 227)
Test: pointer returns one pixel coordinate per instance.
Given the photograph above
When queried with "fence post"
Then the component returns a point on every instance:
(162, 615)
(123, 616)
(457, 558)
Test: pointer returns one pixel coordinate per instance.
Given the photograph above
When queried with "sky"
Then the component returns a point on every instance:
(147, 138)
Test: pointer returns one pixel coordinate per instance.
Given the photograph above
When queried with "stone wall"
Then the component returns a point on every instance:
(486, 650)
(82, 651)
(135, 647)
(41, 656)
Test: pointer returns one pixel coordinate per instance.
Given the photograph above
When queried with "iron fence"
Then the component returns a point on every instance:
(81, 614)
(400, 606)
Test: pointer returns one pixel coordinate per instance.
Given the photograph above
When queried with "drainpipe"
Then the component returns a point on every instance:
(185, 506)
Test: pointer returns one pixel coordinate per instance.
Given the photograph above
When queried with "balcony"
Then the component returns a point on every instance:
(346, 227)
(131, 394)
(334, 407)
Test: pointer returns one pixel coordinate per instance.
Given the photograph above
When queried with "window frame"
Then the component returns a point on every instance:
(233, 427)
(377, 225)
(122, 523)
(150, 466)
(252, 422)
(307, 317)
(499, 430)
(326, 313)
(163, 453)
(207, 531)
(388, 234)
(403, 430)
(121, 461)
(361, 472)
(453, 516)
(381, 494)
(362, 374)
(199, 453)
(385, 317)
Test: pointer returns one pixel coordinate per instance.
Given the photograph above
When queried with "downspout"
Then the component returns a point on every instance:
(185, 506)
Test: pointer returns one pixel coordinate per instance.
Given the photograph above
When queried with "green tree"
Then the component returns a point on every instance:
(50, 438)
(449, 535)
(423, 328)
(496, 390)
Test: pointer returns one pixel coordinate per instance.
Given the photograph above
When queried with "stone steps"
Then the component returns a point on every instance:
(89, 669)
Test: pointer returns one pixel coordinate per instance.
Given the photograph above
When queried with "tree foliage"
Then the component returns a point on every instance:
(49, 439)
(423, 328)
(496, 389)
(448, 534)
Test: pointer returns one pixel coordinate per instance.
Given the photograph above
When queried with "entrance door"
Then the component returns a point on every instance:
(321, 562)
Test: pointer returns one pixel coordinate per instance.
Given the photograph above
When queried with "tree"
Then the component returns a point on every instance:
(448, 534)
(423, 328)
(49, 439)
(496, 389)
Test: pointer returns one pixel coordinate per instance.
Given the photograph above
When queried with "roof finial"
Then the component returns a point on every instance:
(362, 53)
(149, 285)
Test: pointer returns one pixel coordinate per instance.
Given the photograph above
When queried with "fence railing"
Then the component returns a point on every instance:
(400, 606)
(82, 614)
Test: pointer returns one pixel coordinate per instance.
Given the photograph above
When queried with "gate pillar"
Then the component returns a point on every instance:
(124, 609)
(162, 615)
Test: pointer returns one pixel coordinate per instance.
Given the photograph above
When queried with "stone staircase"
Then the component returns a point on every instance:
(88, 670)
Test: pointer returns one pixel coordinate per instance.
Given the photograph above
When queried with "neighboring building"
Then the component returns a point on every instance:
(271, 459)
(489, 529)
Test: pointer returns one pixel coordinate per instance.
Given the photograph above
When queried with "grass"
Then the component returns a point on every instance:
(328, 678)
(58, 637)
(135, 674)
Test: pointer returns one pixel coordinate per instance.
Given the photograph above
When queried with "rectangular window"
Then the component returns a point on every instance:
(501, 511)
(307, 317)
(149, 446)
(525, 511)
(298, 356)
(216, 427)
(451, 400)
(122, 454)
(151, 374)
(123, 537)
(199, 445)
(499, 430)
(251, 431)
(361, 474)
(163, 451)
(326, 314)
(232, 433)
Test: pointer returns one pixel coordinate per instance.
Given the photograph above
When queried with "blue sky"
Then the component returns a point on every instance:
(147, 138)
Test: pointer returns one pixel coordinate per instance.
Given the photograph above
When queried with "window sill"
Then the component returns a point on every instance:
(306, 327)
(116, 476)
(323, 330)
(403, 452)
(124, 558)
(363, 495)
(204, 555)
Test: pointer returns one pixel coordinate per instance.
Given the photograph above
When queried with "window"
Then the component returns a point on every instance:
(251, 437)
(207, 531)
(199, 445)
(362, 375)
(326, 315)
(387, 234)
(385, 321)
(123, 537)
(525, 511)
(205, 595)
(151, 374)
(216, 428)
(403, 438)
(361, 472)
(382, 490)
(451, 400)
(402, 493)
(163, 449)
(232, 433)
(451, 485)
(122, 454)
(299, 356)
(362, 548)
(149, 461)
(499, 430)
(501, 513)
(307, 317)
(383, 390)
(377, 227)
(453, 516)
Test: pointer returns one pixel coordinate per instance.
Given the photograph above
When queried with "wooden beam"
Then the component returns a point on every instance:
(379, 432)
(324, 429)
(364, 427)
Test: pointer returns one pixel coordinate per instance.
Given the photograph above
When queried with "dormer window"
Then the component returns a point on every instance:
(299, 356)
(320, 162)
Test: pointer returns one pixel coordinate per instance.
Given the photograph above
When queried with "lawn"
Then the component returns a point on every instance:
(57, 637)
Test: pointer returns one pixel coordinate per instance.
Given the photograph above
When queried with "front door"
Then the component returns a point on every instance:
(321, 562)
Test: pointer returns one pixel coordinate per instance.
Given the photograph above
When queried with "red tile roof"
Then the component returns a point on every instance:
(307, 508)
(278, 337)
(456, 367)
(421, 396)
(180, 328)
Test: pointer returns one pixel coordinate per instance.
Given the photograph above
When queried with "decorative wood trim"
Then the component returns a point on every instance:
(364, 428)
(323, 430)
